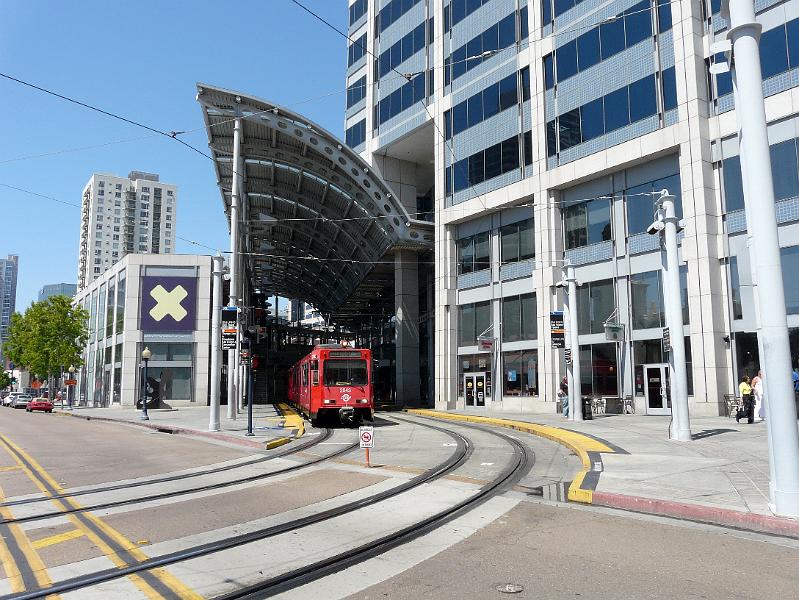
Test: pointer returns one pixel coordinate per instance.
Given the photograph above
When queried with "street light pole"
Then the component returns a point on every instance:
(145, 355)
(573, 369)
(216, 340)
(71, 388)
(744, 34)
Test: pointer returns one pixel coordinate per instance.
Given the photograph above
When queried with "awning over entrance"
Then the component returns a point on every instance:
(316, 219)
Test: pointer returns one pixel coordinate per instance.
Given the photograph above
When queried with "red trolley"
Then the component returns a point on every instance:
(333, 380)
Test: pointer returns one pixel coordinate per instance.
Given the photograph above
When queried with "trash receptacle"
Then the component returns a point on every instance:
(587, 412)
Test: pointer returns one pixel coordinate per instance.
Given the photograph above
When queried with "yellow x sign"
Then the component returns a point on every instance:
(168, 303)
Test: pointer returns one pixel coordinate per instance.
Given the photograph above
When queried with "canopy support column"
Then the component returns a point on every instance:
(406, 304)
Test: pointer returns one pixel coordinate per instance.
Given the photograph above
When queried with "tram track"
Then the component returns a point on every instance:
(463, 451)
(138, 500)
(324, 436)
(518, 467)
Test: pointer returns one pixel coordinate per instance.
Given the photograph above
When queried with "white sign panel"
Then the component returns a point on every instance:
(366, 435)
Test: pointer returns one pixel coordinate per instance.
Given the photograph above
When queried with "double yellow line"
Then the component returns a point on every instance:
(156, 583)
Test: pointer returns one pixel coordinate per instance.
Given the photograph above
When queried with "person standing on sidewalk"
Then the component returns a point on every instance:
(563, 396)
(757, 390)
(746, 410)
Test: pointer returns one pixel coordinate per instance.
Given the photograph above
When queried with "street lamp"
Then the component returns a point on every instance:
(71, 386)
(145, 355)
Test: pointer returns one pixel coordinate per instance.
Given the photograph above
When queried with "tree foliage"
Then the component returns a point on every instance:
(5, 380)
(50, 336)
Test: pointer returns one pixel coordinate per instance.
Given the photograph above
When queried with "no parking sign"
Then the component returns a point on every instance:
(366, 436)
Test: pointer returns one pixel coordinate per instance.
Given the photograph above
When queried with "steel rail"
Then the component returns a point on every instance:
(462, 452)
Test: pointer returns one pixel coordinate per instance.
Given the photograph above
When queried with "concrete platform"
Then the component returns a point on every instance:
(273, 425)
(720, 477)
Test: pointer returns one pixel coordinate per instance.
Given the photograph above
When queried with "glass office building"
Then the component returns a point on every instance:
(542, 131)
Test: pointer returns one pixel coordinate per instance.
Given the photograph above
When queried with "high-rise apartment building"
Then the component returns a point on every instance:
(542, 132)
(57, 289)
(8, 296)
(122, 216)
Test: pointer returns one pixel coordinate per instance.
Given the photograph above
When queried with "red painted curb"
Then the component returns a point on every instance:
(702, 514)
(179, 430)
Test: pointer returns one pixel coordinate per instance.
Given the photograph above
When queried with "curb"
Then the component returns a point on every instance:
(232, 439)
(586, 448)
(698, 513)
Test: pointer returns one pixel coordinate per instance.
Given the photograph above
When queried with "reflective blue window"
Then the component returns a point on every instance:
(510, 154)
(448, 125)
(474, 110)
(569, 129)
(356, 135)
(566, 57)
(733, 185)
(561, 6)
(640, 202)
(638, 23)
(588, 49)
(356, 92)
(592, 120)
(612, 37)
(476, 168)
(448, 180)
(528, 148)
(356, 50)
(784, 170)
(493, 161)
(461, 175)
(357, 10)
(525, 73)
(504, 32)
(491, 101)
(669, 89)
(507, 92)
(552, 138)
(789, 258)
(773, 52)
(459, 117)
(490, 39)
(402, 50)
(549, 72)
(524, 26)
(393, 11)
(546, 11)
(402, 99)
(643, 99)
(489, 163)
(617, 109)
(793, 42)
(507, 31)
(664, 15)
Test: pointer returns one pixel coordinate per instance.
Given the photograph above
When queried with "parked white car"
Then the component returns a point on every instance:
(9, 400)
(21, 401)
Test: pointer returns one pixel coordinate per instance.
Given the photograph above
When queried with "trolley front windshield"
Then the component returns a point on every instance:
(345, 371)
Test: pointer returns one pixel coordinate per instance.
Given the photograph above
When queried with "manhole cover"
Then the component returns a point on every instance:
(510, 588)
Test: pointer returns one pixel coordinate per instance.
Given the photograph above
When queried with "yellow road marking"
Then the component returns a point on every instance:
(10, 567)
(167, 578)
(578, 443)
(293, 420)
(11, 468)
(52, 540)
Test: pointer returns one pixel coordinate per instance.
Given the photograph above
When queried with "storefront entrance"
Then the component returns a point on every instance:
(656, 389)
(474, 389)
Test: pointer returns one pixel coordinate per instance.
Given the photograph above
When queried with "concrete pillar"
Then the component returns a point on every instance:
(233, 355)
(216, 342)
(406, 306)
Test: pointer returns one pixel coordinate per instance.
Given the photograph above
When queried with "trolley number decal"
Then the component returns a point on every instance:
(366, 436)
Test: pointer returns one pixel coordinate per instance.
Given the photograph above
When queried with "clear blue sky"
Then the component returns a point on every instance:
(142, 60)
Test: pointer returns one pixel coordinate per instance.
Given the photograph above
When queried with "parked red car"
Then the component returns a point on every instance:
(42, 404)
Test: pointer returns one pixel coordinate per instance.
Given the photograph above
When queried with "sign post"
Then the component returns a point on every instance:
(367, 439)
(557, 330)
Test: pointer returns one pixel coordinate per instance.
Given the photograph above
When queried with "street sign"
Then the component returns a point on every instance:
(567, 355)
(245, 351)
(366, 436)
(229, 318)
(557, 330)
(485, 344)
(70, 382)
(666, 340)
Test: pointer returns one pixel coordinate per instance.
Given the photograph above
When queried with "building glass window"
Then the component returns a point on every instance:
(356, 92)
(789, 257)
(109, 317)
(474, 253)
(640, 202)
(784, 172)
(520, 373)
(595, 303)
(517, 241)
(647, 299)
(599, 370)
(356, 50)
(587, 223)
(473, 320)
(475, 363)
(519, 318)
(167, 383)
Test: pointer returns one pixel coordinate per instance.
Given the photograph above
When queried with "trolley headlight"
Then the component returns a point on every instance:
(328, 401)
(362, 401)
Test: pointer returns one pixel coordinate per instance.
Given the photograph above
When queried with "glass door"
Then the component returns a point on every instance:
(474, 389)
(656, 388)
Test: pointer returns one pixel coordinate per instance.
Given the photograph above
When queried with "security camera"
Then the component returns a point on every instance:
(226, 276)
(561, 284)
(655, 228)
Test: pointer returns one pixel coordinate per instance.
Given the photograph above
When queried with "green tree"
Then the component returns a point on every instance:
(50, 336)
(5, 380)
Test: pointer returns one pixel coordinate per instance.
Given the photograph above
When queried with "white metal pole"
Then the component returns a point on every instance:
(575, 386)
(681, 424)
(216, 335)
(233, 355)
(744, 33)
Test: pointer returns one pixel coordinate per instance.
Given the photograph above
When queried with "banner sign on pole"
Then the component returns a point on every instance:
(229, 314)
(485, 344)
(666, 340)
(567, 355)
(556, 328)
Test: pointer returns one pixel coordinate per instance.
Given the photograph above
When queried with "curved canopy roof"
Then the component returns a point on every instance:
(316, 218)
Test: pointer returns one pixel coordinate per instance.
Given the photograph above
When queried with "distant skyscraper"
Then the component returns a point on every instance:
(122, 216)
(8, 296)
(57, 289)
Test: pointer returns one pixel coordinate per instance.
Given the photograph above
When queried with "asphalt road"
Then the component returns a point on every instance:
(549, 550)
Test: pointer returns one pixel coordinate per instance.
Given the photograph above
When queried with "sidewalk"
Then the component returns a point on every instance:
(273, 425)
(721, 477)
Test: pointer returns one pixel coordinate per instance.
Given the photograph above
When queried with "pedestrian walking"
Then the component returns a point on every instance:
(563, 396)
(758, 393)
(747, 408)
